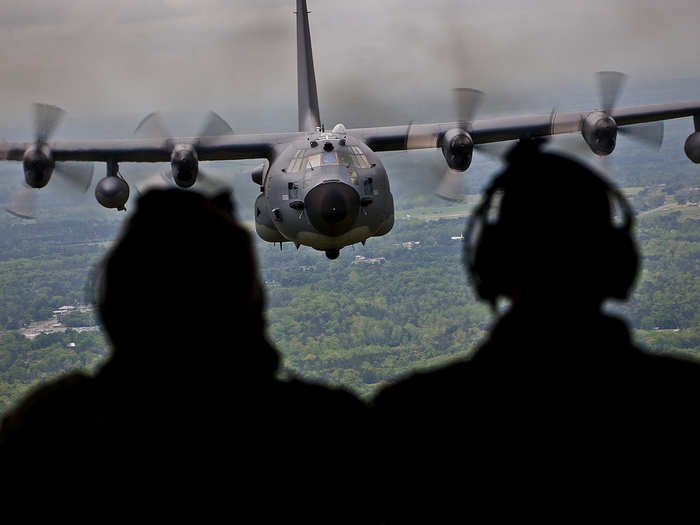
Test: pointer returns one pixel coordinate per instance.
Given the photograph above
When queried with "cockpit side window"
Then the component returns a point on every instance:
(357, 158)
(296, 163)
(308, 179)
(292, 191)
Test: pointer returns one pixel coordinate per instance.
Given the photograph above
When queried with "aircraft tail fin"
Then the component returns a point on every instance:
(309, 118)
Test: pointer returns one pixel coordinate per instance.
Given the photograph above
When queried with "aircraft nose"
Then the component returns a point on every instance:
(332, 207)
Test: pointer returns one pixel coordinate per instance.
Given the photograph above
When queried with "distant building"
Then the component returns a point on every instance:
(409, 245)
(361, 259)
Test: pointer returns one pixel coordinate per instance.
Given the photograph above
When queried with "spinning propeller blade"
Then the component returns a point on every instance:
(78, 175)
(214, 126)
(650, 134)
(153, 126)
(23, 204)
(610, 85)
(46, 120)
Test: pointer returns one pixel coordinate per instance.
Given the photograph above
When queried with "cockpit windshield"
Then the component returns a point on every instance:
(321, 159)
(329, 159)
(353, 157)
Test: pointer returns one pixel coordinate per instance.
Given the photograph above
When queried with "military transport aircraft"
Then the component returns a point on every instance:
(327, 188)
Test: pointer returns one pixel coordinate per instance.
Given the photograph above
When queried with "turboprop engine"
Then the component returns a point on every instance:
(184, 164)
(258, 174)
(38, 165)
(599, 130)
(457, 147)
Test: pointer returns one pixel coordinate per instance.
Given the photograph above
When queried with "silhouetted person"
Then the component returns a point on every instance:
(186, 418)
(557, 415)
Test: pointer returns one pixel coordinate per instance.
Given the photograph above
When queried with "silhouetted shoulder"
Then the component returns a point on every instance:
(586, 366)
(319, 394)
(668, 375)
(420, 390)
(49, 417)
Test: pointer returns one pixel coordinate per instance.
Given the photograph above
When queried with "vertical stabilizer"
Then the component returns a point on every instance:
(309, 118)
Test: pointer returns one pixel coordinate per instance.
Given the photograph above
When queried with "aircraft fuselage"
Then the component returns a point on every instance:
(327, 190)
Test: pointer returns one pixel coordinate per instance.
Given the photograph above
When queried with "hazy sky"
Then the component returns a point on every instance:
(133, 56)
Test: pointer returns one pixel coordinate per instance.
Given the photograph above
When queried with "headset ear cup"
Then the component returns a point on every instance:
(619, 255)
(624, 265)
(487, 269)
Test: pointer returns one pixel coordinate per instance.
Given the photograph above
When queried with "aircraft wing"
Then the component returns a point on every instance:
(420, 136)
(224, 147)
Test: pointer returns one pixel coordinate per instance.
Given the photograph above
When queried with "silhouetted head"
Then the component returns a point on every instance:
(181, 283)
(551, 231)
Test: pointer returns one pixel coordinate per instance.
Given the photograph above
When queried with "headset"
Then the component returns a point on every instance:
(496, 271)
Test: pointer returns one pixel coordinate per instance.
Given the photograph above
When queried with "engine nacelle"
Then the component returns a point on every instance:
(264, 226)
(692, 147)
(258, 174)
(112, 192)
(38, 165)
(184, 164)
(599, 130)
(457, 147)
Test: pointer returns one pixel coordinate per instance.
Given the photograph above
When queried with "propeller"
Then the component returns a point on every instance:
(77, 175)
(610, 85)
(152, 126)
(466, 102)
